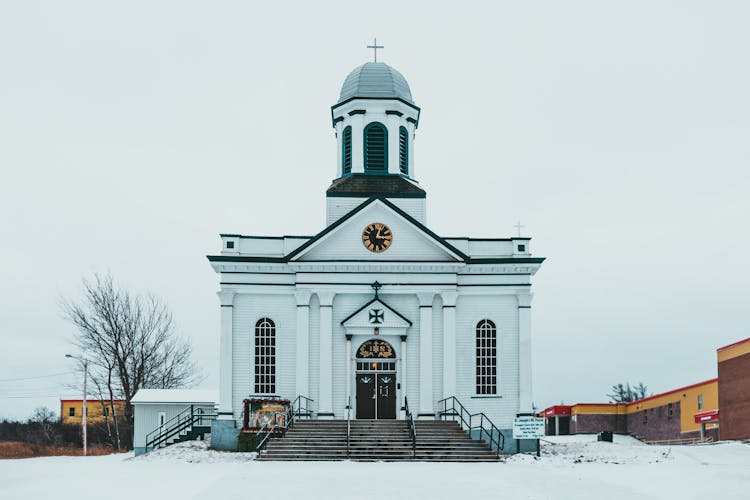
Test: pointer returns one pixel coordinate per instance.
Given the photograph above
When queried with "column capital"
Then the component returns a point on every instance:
(326, 298)
(302, 297)
(425, 298)
(524, 300)
(449, 298)
(226, 298)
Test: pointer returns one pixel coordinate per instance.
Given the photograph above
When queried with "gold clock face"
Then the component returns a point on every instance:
(377, 237)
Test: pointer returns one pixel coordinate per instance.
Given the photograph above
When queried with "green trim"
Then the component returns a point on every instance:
(399, 195)
(252, 237)
(346, 150)
(373, 151)
(412, 120)
(394, 112)
(376, 299)
(524, 307)
(508, 260)
(357, 112)
(338, 119)
(403, 150)
(393, 207)
(242, 258)
(411, 105)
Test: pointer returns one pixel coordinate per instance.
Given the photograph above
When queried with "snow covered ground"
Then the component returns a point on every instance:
(571, 467)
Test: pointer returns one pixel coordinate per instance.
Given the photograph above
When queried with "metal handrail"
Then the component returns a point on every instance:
(411, 428)
(175, 425)
(290, 417)
(467, 419)
(348, 424)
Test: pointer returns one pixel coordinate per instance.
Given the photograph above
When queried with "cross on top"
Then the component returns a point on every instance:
(376, 286)
(375, 47)
(519, 226)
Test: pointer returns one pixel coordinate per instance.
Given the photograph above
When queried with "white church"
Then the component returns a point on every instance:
(375, 310)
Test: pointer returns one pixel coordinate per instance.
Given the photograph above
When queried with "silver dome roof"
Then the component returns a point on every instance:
(375, 79)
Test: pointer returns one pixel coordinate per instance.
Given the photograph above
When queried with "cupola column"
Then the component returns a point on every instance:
(394, 123)
(358, 143)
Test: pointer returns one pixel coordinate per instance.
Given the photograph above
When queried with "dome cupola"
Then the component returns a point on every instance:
(375, 80)
(375, 119)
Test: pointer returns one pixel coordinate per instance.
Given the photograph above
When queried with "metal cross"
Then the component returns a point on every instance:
(375, 47)
(519, 226)
(376, 286)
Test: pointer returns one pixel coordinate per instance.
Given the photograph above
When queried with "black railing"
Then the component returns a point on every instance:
(473, 423)
(411, 428)
(348, 424)
(182, 422)
(301, 407)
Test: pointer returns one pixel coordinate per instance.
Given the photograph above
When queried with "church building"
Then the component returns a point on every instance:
(376, 310)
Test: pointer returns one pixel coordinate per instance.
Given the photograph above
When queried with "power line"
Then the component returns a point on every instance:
(32, 378)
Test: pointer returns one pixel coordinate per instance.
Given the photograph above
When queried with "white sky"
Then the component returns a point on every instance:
(131, 134)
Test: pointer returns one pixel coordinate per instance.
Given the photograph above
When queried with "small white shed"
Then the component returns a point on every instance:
(165, 416)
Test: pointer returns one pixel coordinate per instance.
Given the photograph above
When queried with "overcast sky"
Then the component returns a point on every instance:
(133, 133)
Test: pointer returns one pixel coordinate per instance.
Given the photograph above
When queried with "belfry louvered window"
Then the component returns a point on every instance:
(486, 371)
(346, 152)
(403, 150)
(376, 148)
(265, 357)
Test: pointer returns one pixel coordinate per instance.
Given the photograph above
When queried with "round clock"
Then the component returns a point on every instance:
(377, 237)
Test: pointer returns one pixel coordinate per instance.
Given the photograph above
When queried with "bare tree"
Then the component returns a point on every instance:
(131, 342)
(626, 394)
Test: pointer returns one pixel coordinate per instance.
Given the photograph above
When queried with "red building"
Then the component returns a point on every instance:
(734, 390)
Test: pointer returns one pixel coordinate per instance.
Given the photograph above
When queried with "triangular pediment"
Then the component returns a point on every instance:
(344, 240)
(376, 313)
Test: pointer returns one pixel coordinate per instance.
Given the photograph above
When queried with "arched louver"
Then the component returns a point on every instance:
(376, 148)
(265, 356)
(346, 153)
(403, 150)
(486, 369)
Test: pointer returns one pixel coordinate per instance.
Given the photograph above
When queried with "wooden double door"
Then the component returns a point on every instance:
(376, 395)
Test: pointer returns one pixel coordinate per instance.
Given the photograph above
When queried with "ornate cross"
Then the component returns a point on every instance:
(376, 286)
(519, 226)
(376, 316)
(375, 47)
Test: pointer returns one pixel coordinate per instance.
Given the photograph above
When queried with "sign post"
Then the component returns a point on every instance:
(527, 426)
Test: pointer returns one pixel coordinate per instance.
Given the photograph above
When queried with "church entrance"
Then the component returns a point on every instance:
(376, 381)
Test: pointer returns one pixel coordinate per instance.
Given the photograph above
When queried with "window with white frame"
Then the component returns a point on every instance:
(265, 356)
(486, 352)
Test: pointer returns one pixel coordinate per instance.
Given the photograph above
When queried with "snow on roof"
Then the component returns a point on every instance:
(176, 396)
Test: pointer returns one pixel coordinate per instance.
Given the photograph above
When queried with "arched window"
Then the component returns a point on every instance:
(486, 357)
(265, 357)
(376, 148)
(403, 150)
(346, 152)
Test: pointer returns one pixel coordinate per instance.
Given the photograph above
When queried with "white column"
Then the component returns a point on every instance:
(393, 122)
(524, 353)
(325, 405)
(402, 374)
(225, 356)
(349, 372)
(358, 143)
(425, 354)
(449, 343)
(303, 342)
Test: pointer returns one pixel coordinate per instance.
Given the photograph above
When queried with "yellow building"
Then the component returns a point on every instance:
(71, 410)
(686, 413)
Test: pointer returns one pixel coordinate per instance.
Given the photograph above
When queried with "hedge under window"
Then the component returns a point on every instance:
(346, 142)
(403, 150)
(486, 375)
(265, 357)
(376, 148)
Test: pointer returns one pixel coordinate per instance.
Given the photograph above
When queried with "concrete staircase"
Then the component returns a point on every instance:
(387, 440)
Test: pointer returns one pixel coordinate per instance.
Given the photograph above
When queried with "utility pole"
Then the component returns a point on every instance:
(85, 363)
